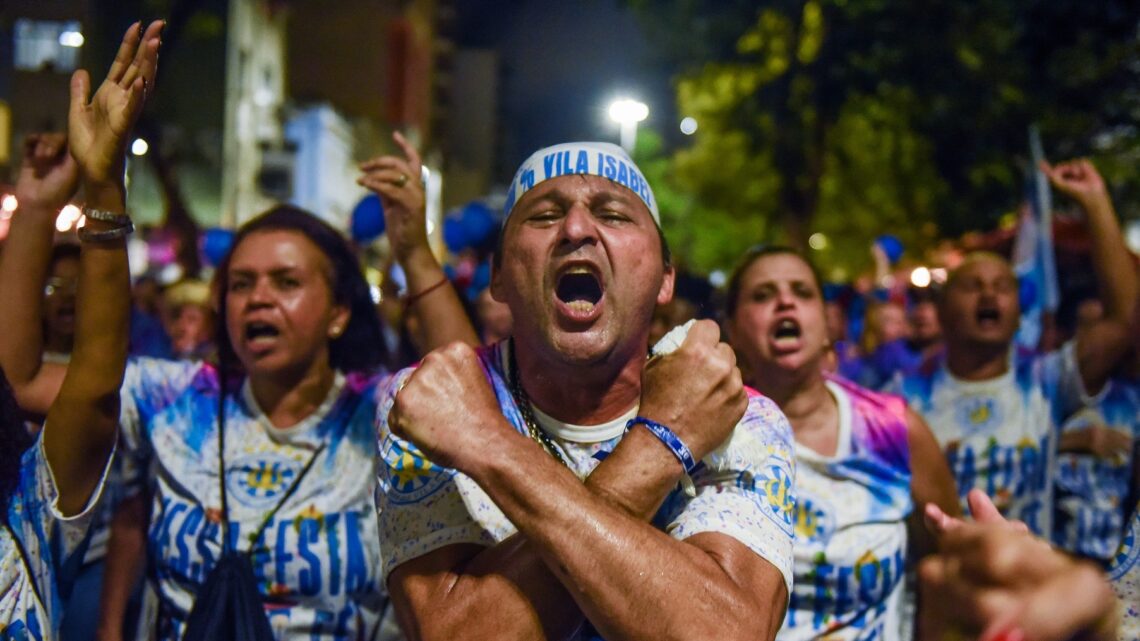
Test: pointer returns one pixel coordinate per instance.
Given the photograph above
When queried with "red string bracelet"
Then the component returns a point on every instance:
(411, 300)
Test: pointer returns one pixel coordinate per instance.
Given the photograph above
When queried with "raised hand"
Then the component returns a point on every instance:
(1077, 179)
(98, 127)
(696, 390)
(397, 181)
(48, 176)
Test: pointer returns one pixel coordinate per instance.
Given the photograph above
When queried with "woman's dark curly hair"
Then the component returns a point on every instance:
(361, 346)
(14, 441)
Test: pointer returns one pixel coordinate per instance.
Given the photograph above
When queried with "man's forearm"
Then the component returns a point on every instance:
(1115, 271)
(603, 555)
(512, 576)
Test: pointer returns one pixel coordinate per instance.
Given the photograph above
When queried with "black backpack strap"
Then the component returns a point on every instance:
(285, 497)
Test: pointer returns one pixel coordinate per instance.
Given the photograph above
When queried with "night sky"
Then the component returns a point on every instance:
(563, 63)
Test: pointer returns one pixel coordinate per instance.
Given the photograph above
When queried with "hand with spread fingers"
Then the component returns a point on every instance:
(99, 124)
(994, 583)
(398, 183)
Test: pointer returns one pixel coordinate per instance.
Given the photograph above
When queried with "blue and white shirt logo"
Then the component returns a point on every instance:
(408, 473)
(260, 480)
(978, 414)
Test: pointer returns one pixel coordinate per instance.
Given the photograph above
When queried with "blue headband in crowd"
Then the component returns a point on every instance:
(581, 158)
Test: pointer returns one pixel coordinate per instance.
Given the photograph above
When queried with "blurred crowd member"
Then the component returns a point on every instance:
(864, 462)
(148, 337)
(844, 358)
(59, 302)
(995, 410)
(495, 320)
(520, 481)
(50, 486)
(885, 323)
(904, 355)
(188, 317)
(1097, 477)
(249, 457)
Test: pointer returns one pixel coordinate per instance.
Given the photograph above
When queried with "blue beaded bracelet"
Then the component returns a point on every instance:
(669, 439)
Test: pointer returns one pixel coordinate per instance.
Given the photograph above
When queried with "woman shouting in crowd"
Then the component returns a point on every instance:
(264, 463)
(863, 460)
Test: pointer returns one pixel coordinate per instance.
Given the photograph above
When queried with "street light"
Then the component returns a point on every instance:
(628, 113)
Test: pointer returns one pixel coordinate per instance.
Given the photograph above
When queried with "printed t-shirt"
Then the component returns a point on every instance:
(35, 518)
(745, 489)
(1000, 435)
(1092, 492)
(1124, 572)
(317, 561)
(850, 547)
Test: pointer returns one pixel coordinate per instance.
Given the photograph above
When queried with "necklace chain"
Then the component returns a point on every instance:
(538, 434)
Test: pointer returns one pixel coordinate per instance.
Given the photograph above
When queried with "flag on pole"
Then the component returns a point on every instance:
(1034, 260)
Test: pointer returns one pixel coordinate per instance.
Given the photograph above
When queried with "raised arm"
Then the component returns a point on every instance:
(1100, 349)
(397, 181)
(81, 424)
(46, 182)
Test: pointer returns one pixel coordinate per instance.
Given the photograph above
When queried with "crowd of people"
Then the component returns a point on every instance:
(571, 454)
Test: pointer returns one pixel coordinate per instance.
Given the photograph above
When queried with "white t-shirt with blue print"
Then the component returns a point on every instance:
(1092, 492)
(851, 538)
(35, 519)
(1124, 572)
(744, 490)
(1000, 435)
(317, 561)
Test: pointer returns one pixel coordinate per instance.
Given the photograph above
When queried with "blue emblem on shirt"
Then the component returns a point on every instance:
(408, 473)
(259, 480)
(978, 414)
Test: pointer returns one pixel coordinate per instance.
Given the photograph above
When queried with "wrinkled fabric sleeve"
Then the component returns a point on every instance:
(421, 505)
(747, 489)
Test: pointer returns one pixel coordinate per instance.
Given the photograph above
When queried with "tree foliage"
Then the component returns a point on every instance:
(858, 117)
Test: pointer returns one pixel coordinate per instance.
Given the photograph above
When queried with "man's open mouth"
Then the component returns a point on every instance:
(987, 316)
(580, 289)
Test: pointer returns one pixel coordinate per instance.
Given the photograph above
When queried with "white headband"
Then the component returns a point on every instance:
(581, 158)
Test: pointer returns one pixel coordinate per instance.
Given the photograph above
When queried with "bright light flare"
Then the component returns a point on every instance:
(8, 205)
(628, 111)
(920, 277)
(139, 147)
(68, 217)
(688, 125)
(817, 241)
(73, 39)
